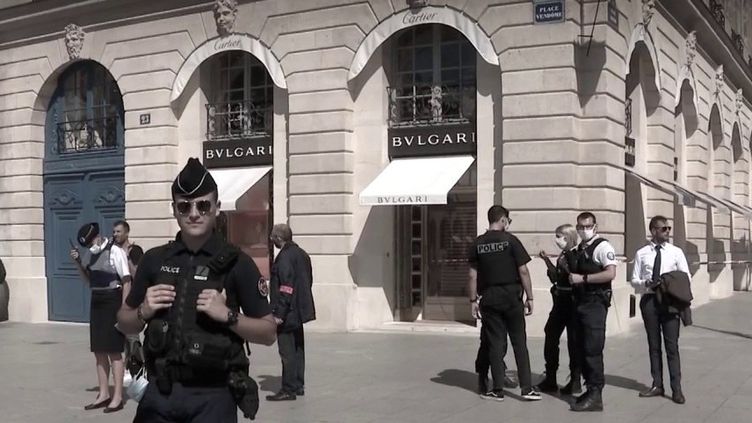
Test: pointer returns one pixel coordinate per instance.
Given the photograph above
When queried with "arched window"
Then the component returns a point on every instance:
(86, 113)
(433, 77)
(241, 99)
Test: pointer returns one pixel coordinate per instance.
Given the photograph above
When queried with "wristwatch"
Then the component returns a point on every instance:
(475, 300)
(232, 318)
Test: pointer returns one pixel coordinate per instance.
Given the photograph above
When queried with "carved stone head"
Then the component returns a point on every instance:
(648, 9)
(74, 40)
(690, 46)
(719, 81)
(225, 12)
(739, 102)
(416, 4)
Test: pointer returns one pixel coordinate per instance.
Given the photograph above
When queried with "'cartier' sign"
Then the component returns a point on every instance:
(432, 141)
(238, 153)
(413, 18)
(232, 42)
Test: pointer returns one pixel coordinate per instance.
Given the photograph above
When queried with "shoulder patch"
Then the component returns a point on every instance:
(263, 286)
(610, 255)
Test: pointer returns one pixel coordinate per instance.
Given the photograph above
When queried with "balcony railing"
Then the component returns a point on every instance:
(94, 134)
(716, 9)
(237, 120)
(431, 105)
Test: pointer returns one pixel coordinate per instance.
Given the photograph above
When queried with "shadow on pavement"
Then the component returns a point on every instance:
(458, 378)
(725, 332)
(269, 383)
(626, 383)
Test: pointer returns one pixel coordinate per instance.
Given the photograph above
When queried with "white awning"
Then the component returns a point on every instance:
(416, 181)
(233, 183)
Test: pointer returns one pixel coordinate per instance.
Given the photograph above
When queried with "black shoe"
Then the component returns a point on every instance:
(590, 402)
(548, 384)
(482, 385)
(300, 393)
(571, 388)
(281, 396)
(655, 391)
(509, 382)
(108, 410)
(678, 397)
(95, 405)
(531, 395)
(496, 395)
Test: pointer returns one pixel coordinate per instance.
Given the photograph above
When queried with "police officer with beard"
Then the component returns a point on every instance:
(592, 270)
(499, 274)
(189, 293)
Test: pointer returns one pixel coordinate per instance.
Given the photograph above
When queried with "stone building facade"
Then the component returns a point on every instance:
(381, 130)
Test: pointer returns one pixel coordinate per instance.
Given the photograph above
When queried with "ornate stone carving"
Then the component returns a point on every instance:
(74, 40)
(739, 102)
(416, 4)
(648, 10)
(63, 198)
(435, 102)
(690, 46)
(719, 81)
(110, 195)
(225, 12)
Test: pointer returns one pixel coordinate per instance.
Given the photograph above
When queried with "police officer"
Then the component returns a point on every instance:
(562, 315)
(292, 306)
(498, 272)
(592, 271)
(188, 293)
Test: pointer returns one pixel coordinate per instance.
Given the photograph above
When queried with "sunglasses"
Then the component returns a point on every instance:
(202, 206)
(581, 227)
(663, 229)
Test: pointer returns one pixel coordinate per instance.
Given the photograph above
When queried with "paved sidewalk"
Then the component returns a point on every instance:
(47, 373)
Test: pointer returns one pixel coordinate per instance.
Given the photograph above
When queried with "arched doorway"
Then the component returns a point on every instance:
(84, 177)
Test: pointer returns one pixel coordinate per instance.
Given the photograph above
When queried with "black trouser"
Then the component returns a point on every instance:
(482, 364)
(562, 316)
(658, 320)
(292, 352)
(592, 309)
(507, 317)
(186, 405)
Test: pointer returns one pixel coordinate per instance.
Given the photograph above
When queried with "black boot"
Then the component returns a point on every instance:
(573, 387)
(549, 383)
(591, 401)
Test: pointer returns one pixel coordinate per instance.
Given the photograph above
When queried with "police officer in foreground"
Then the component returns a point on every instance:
(592, 270)
(189, 293)
(499, 274)
(292, 306)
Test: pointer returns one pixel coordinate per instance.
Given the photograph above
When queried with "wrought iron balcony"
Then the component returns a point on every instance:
(237, 120)
(93, 134)
(431, 105)
(716, 9)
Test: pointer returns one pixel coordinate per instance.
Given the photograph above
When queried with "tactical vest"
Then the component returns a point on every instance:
(102, 274)
(584, 264)
(187, 346)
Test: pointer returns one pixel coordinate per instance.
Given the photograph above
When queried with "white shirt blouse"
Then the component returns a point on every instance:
(672, 258)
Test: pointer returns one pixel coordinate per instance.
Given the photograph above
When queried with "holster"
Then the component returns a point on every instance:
(163, 376)
(245, 392)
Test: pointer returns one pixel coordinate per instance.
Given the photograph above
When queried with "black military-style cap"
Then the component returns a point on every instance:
(87, 233)
(193, 181)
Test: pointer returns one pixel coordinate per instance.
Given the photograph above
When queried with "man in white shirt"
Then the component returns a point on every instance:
(652, 261)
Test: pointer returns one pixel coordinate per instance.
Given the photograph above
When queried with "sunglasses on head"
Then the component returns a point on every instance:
(202, 206)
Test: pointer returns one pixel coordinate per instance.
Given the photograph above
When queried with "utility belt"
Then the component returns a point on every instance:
(114, 285)
(562, 291)
(588, 294)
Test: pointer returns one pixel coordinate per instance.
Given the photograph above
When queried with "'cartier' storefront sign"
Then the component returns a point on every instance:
(238, 153)
(432, 141)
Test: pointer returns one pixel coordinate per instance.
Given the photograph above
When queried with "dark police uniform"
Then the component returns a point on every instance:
(592, 303)
(197, 367)
(496, 255)
(562, 316)
(292, 302)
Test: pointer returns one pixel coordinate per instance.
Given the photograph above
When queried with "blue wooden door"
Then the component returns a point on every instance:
(83, 177)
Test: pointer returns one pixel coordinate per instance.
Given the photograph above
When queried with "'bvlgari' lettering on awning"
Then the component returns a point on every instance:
(494, 247)
(433, 139)
(403, 199)
(238, 152)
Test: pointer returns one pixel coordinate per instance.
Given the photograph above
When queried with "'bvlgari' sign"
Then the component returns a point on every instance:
(432, 141)
(238, 153)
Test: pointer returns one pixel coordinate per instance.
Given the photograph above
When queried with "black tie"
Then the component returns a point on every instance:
(657, 263)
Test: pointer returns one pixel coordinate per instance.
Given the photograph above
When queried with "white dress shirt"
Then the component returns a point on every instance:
(118, 260)
(672, 258)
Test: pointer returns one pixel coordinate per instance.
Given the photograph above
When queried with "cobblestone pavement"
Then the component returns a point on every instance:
(48, 373)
